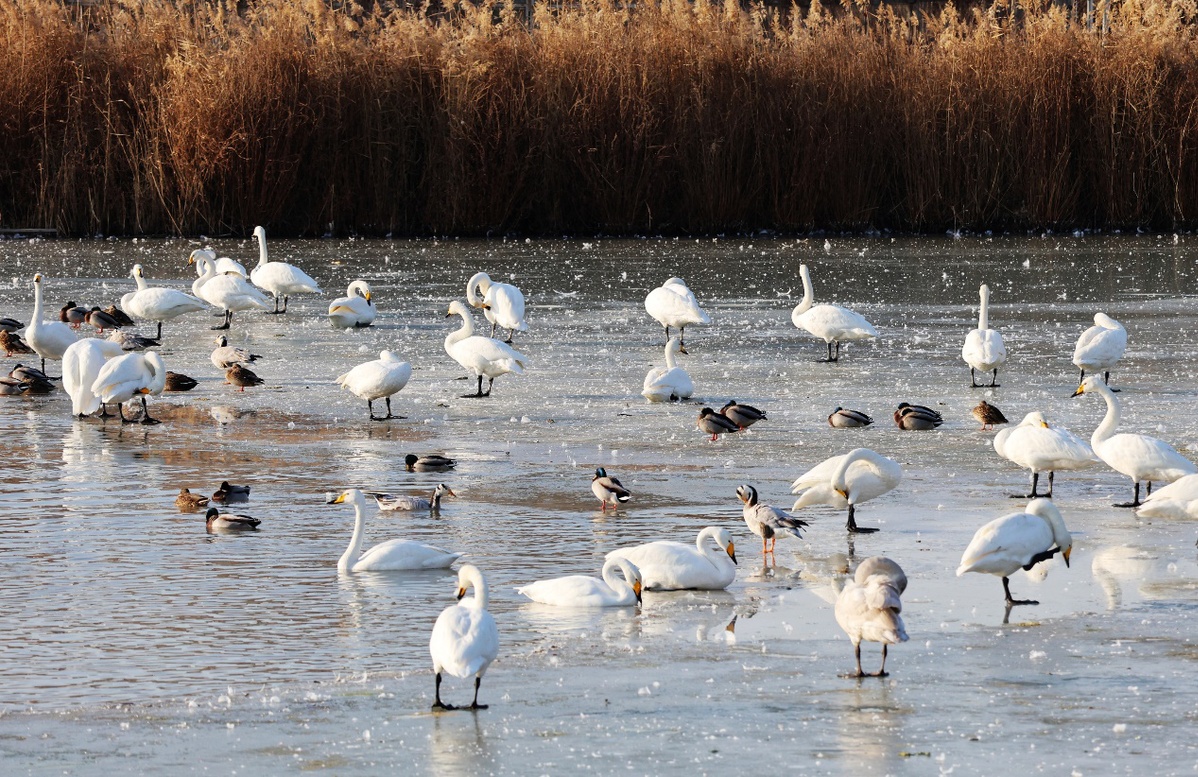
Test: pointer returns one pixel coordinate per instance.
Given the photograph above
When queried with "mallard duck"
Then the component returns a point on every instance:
(188, 502)
(670, 383)
(35, 381)
(231, 493)
(609, 490)
(502, 303)
(431, 463)
(121, 317)
(279, 278)
(742, 415)
(484, 356)
(10, 324)
(355, 310)
(672, 304)
(378, 379)
(241, 377)
(225, 356)
(229, 522)
(868, 607)
(832, 323)
(1100, 347)
(1138, 456)
(984, 349)
(177, 381)
(586, 591)
(988, 415)
(391, 502)
(72, 315)
(130, 341)
(766, 521)
(1018, 541)
(848, 419)
(12, 344)
(916, 417)
(465, 639)
(11, 387)
(711, 422)
(99, 320)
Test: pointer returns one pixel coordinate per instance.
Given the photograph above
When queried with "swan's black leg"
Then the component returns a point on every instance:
(437, 703)
(1035, 485)
(852, 524)
(973, 381)
(474, 705)
(389, 413)
(145, 413)
(159, 335)
(1006, 587)
(1135, 502)
(994, 379)
(478, 393)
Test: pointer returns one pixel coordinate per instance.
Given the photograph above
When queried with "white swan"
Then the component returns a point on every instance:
(831, 322)
(502, 303)
(671, 566)
(1039, 447)
(81, 366)
(484, 356)
(868, 607)
(389, 556)
(48, 339)
(669, 383)
(158, 303)
(280, 278)
(355, 309)
(1179, 499)
(230, 293)
(672, 304)
(847, 481)
(587, 591)
(378, 379)
(134, 374)
(1100, 347)
(767, 521)
(1138, 456)
(1017, 541)
(984, 349)
(224, 265)
(465, 639)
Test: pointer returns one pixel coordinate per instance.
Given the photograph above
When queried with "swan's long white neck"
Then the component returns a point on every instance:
(711, 555)
(481, 592)
(137, 277)
(158, 369)
(475, 292)
(808, 294)
(354, 550)
(1051, 516)
(37, 303)
(1110, 422)
(261, 235)
(467, 330)
(671, 361)
(609, 575)
(984, 308)
(851, 458)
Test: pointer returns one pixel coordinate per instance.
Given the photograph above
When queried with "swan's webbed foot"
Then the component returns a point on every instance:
(854, 529)
(439, 706)
(477, 706)
(219, 328)
(1011, 602)
(147, 421)
(1127, 504)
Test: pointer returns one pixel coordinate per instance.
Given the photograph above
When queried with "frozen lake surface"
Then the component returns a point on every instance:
(134, 641)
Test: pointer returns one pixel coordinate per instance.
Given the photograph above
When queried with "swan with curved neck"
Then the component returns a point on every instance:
(586, 591)
(832, 323)
(1018, 541)
(355, 310)
(134, 374)
(673, 304)
(465, 639)
(280, 278)
(81, 365)
(48, 339)
(1138, 456)
(231, 293)
(391, 555)
(984, 350)
(847, 481)
(1037, 446)
(157, 303)
(672, 382)
(501, 303)
(1100, 347)
(671, 566)
(484, 356)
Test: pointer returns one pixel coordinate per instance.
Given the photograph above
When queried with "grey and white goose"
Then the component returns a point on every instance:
(766, 521)
(392, 502)
(609, 490)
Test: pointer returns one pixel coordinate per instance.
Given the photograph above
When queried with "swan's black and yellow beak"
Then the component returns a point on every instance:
(1080, 390)
(732, 551)
(636, 589)
(461, 593)
(336, 500)
(1066, 553)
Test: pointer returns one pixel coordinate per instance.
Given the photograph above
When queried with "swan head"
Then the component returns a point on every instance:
(747, 494)
(468, 575)
(37, 279)
(260, 233)
(675, 346)
(1048, 511)
(348, 496)
(984, 292)
(458, 308)
(135, 272)
(724, 539)
(1092, 384)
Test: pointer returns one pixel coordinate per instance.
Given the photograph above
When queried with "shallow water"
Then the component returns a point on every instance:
(135, 640)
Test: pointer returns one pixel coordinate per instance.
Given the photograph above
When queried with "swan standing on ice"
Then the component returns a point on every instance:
(355, 309)
(484, 356)
(669, 383)
(502, 303)
(224, 265)
(155, 303)
(1018, 541)
(465, 639)
(847, 481)
(81, 366)
(766, 521)
(830, 322)
(389, 556)
(984, 349)
(1138, 456)
(230, 293)
(279, 278)
(131, 375)
(1036, 446)
(1100, 347)
(48, 339)
(586, 591)
(672, 304)
(673, 566)
(377, 379)
(868, 607)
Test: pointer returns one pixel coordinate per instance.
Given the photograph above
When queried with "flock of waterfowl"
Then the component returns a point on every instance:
(97, 372)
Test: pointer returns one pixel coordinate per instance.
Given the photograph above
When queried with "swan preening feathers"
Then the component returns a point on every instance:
(672, 566)
(672, 304)
(1018, 541)
(502, 303)
(585, 591)
(847, 481)
(868, 607)
(355, 309)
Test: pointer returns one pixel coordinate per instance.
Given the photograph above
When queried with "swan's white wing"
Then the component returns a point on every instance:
(1179, 499)
(832, 322)
(576, 591)
(984, 349)
(464, 641)
(1144, 458)
(506, 306)
(1006, 544)
(404, 554)
(820, 473)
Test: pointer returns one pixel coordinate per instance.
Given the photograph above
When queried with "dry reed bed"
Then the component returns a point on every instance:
(155, 117)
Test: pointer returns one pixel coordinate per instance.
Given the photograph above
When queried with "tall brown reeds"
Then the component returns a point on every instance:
(152, 116)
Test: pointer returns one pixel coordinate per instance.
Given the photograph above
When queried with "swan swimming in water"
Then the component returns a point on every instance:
(484, 356)
(672, 566)
(984, 350)
(502, 303)
(586, 591)
(669, 383)
(389, 556)
(280, 278)
(673, 304)
(832, 323)
(465, 639)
